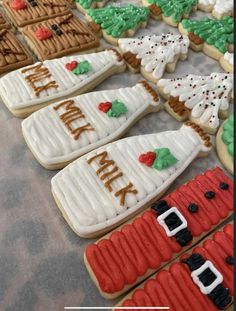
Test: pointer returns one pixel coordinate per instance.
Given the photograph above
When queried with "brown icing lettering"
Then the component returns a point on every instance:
(122, 192)
(39, 74)
(72, 114)
(109, 176)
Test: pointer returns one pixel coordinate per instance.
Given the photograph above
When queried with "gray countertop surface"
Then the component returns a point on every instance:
(41, 259)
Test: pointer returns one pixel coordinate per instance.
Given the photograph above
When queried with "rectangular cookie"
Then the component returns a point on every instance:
(171, 226)
(60, 36)
(200, 280)
(109, 185)
(83, 123)
(23, 12)
(51, 81)
(13, 54)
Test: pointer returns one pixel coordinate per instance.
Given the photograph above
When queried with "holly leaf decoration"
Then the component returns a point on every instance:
(117, 109)
(82, 67)
(164, 159)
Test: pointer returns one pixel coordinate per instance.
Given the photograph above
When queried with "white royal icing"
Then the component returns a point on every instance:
(219, 6)
(155, 51)
(193, 91)
(229, 57)
(87, 203)
(53, 143)
(224, 6)
(24, 96)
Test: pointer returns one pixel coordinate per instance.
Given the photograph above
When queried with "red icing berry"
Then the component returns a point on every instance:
(104, 107)
(72, 65)
(43, 33)
(147, 158)
(18, 5)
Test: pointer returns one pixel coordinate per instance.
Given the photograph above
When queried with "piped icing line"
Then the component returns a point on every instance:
(66, 130)
(116, 21)
(54, 70)
(88, 4)
(144, 245)
(153, 53)
(23, 12)
(90, 214)
(216, 33)
(176, 280)
(174, 9)
(203, 97)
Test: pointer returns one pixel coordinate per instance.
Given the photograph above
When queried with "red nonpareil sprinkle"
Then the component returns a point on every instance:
(147, 158)
(104, 107)
(43, 33)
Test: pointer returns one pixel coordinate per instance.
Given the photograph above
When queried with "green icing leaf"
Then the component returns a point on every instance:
(82, 67)
(164, 159)
(117, 109)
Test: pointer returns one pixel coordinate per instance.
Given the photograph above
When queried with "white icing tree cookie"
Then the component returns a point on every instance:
(64, 131)
(107, 186)
(153, 54)
(219, 8)
(52, 80)
(202, 99)
(227, 62)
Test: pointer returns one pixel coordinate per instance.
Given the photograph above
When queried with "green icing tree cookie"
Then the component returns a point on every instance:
(218, 33)
(175, 8)
(228, 135)
(117, 20)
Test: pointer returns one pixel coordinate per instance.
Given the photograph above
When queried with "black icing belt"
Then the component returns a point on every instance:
(219, 295)
(184, 236)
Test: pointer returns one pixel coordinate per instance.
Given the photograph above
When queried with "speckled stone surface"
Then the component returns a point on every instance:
(41, 259)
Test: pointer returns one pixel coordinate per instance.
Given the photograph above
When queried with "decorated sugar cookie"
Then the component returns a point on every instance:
(52, 80)
(123, 177)
(13, 54)
(202, 279)
(60, 36)
(114, 22)
(171, 11)
(83, 5)
(161, 233)
(213, 37)
(225, 143)
(23, 12)
(202, 99)
(153, 55)
(80, 124)
(218, 8)
(227, 62)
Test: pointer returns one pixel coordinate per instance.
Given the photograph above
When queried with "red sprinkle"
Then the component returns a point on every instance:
(104, 107)
(18, 5)
(147, 158)
(72, 65)
(43, 33)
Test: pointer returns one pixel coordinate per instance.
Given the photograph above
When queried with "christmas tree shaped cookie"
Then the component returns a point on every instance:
(153, 54)
(227, 62)
(53, 80)
(218, 8)
(213, 37)
(202, 99)
(83, 5)
(225, 143)
(80, 124)
(105, 187)
(114, 22)
(172, 11)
